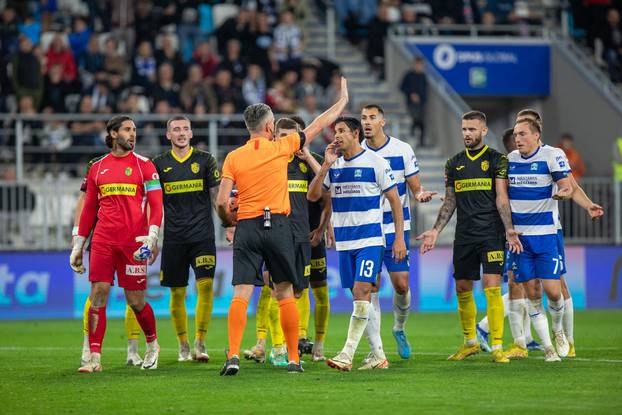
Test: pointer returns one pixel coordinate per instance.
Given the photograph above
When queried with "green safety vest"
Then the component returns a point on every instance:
(617, 166)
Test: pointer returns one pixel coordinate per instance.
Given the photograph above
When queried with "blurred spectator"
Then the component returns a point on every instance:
(377, 32)
(226, 90)
(144, 69)
(197, 91)
(9, 34)
(233, 62)
(455, 12)
(288, 41)
(566, 143)
(278, 100)
(230, 132)
(113, 60)
(166, 88)
(236, 27)
(116, 85)
(101, 99)
(135, 103)
(59, 54)
(263, 38)
(612, 45)
(333, 90)
(354, 15)
(56, 90)
(31, 29)
(414, 86)
(145, 22)
(309, 110)
(26, 72)
(31, 128)
(87, 133)
(91, 59)
(409, 14)
(204, 56)
(298, 9)
(55, 139)
(168, 53)
(254, 86)
(290, 80)
(79, 38)
(503, 10)
(308, 85)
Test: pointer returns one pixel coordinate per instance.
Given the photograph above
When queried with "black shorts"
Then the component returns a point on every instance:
(177, 258)
(318, 262)
(468, 258)
(254, 245)
(303, 263)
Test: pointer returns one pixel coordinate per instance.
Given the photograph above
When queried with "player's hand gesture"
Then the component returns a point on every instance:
(399, 249)
(595, 211)
(424, 196)
(229, 234)
(330, 154)
(75, 259)
(429, 240)
(514, 244)
(315, 237)
(304, 153)
(330, 236)
(563, 194)
(344, 89)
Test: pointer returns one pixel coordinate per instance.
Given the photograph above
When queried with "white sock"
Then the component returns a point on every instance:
(358, 322)
(85, 344)
(483, 324)
(372, 331)
(568, 321)
(527, 322)
(540, 322)
(516, 313)
(556, 308)
(401, 309)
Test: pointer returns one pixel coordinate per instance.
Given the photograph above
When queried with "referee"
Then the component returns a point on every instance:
(476, 182)
(263, 232)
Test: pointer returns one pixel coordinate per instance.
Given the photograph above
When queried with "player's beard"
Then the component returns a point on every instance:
(125, 145)
(475, 142)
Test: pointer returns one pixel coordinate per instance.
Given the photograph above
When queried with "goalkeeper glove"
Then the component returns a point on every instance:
(75, 259)
(148, 243)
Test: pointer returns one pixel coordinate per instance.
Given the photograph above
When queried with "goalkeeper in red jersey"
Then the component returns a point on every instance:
(117, 186)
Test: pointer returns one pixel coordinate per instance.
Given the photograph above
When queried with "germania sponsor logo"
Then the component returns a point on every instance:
(298, 185)
(473, 184)
(118, 189)
(136, 269)
(183, 186)
(494, 256)
(207, 261)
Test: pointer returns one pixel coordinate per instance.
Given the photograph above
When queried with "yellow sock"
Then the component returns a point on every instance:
(467, 313)
(321, 312)
(276, 332)
(132, 328)
(304, 311)
(179, 316)
(205, 303)
(263, 311)
(85, 316)
(494, 311)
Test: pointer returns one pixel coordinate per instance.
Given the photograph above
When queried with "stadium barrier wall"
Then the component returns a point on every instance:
(42, 286)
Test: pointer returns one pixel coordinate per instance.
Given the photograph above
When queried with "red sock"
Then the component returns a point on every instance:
(147, 322)
(289, 324)
(97, 328)
(236, 324)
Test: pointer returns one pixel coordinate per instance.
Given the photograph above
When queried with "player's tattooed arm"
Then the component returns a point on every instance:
(447, 209)
(505, 212)
(213, 194)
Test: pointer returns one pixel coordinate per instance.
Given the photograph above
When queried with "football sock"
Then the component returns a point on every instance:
(483, 324)
(132, 328)
(401, 309)
(263, 310)
(97, 328)
(527, 322)
(85, 316)
(304, 310)
(539, 320)
(372, 330)
(467, 313)
(276, 332)
(568, 322)
(179, 316)
(290, 324)
(236, 324)
(205, 303)
(321, 312)
(556, 308)
(147, 321)
(358, 322)
(494, 311)
(517, 311)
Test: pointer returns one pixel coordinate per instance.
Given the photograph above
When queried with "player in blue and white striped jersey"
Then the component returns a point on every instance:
(538, 177)
(357, 182)
(405, 168)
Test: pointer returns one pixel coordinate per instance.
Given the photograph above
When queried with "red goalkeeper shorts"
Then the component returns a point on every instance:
(106, 259)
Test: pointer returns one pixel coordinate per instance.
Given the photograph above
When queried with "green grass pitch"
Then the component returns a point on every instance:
(38, 362)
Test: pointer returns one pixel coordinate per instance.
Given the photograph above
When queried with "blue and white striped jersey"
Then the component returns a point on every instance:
(356, 187)
(403, 162)
(531, 187)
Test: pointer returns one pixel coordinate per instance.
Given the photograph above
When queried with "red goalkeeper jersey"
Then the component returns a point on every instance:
(117, 191)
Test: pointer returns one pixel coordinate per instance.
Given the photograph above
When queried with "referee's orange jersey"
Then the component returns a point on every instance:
(259, 171)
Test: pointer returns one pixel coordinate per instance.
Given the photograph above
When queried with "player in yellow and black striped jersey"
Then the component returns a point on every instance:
(190, 180)
(476, 183)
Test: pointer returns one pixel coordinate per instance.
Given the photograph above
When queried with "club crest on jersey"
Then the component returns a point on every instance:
(485, 165)
(195, 167)
(128, 171)
(534, 166)
(303, 167)
(358, 173)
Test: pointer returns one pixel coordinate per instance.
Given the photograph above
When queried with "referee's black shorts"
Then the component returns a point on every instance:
(487, 254)
(254, 245)
(177, 258)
